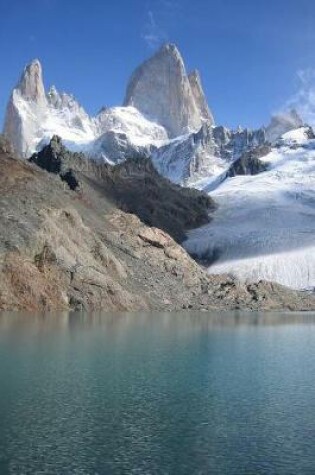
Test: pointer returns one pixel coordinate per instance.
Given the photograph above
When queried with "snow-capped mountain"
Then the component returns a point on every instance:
(264, 227)
(165, 116)
(175, 105)
(33, 117)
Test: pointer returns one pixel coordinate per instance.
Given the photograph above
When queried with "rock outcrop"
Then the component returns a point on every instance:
(161, 90)
(249, 163)
(5, 145)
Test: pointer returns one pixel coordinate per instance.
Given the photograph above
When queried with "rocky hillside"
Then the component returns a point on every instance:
(74, 249)
(134, 186)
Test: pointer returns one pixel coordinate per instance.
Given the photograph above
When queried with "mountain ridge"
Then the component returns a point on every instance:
(168, 99)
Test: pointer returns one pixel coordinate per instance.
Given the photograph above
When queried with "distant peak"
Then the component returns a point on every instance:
(170, 49)
(31, 84)
(295, 115)
(35, 62)
(290, 116)
(32, 69)
(282, 123)
(52, 90)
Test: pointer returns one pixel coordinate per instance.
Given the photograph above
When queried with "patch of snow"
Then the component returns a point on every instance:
(129, 121)
(297, 135)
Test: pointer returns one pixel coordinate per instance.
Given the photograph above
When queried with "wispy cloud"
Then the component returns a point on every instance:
(153, 35)
(304, 99)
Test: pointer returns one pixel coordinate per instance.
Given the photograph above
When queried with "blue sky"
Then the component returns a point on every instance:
(251, 53)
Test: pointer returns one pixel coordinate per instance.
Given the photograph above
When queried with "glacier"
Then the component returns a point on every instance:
(264, 226)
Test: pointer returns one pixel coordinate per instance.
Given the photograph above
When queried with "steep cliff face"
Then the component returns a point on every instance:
(161, 89)
(31, 85)
(26, 108)
(199, 96)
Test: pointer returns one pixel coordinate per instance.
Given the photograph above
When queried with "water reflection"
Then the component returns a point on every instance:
(203, 320)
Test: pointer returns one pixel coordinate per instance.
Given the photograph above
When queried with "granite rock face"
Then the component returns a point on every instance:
(161, 90)
(31, 84)
(30, 90)
(199, 96)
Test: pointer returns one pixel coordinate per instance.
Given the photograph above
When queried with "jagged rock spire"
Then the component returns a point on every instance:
(20, 128)
(31, 85)
(160, 88)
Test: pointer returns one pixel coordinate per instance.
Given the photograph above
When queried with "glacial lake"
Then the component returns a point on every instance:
(186, 393)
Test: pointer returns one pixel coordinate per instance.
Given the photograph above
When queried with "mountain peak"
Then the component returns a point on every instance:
(31, 85)
(160, 89)
(171, 49)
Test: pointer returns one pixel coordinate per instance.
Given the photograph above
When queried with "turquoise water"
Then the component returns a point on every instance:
(157, 394)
